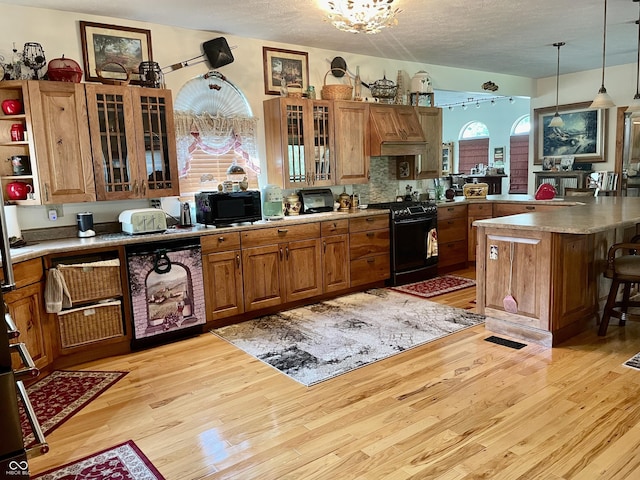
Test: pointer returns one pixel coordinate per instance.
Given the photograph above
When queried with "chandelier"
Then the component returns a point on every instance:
(362, 16)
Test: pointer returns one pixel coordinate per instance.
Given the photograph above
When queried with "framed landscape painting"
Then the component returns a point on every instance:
(582, 136)
(106, 47)
(285, 68)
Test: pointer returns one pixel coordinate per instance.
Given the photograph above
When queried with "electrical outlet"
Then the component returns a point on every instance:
(155, 203)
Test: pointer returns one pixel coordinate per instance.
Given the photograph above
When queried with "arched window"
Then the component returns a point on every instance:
(522, 126)
(474, 130)
(473, 146)
(215, 129)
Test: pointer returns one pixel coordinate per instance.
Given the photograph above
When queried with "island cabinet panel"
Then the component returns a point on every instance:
(577, 296)
(222, 269)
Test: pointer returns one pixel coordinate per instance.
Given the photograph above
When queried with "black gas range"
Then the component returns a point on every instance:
(414, 240)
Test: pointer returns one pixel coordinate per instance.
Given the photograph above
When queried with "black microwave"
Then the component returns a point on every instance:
(218, 208)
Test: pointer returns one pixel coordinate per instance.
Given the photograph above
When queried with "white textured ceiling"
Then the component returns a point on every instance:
(504, 36)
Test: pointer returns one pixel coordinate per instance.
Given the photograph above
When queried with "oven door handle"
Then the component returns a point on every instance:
(410, 221)
(41, 447)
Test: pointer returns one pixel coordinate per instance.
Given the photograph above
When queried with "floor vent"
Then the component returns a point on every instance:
(505, 342)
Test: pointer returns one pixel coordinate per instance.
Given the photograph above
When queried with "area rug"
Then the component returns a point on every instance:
(122, 462)
(317, 342)
(436, 286)
(60, 395)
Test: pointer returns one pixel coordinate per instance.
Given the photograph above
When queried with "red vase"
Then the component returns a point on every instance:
(12, 107)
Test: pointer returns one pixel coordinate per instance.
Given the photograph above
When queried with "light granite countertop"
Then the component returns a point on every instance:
(47, 247)
(589, 215)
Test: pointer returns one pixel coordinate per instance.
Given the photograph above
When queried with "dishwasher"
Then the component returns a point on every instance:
(167, 291)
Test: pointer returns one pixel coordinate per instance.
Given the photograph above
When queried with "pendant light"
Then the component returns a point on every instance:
(603, 100)
(634, 106)
(557, 121)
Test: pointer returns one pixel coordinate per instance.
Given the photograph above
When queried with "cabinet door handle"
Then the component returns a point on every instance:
(135, 187)
(370, 219)
(370, 234)
(370, 260)
(221, 239)
(46, 191)
(530, 207)
(281, 256)
(144, 188)
(283, 230)
(324, 246)
(287, 252)
(368, 175)
(238, 261)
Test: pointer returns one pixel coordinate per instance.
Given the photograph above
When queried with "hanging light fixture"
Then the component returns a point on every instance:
(362, 16)
(557, 121)
(603, 99)
(634, 106)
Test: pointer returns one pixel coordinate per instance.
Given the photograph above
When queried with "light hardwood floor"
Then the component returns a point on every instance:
(458, 408)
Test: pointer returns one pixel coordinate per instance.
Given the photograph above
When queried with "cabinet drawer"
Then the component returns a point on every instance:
(286, 233)
(452, 211)
(451, 253)
(363, 244)
(484, 210)
(334, 227)
(504, 209)
(220, 243)
(370, 269)
(26, 273)
(365, 224)
(452, 230)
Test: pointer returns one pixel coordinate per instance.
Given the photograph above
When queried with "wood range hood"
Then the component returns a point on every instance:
(395, 131)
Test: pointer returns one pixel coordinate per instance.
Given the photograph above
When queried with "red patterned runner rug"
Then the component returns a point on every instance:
(60, 395)
(436, 286)
(124, 462)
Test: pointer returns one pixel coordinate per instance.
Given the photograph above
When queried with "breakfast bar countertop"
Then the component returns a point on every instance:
(589, 215)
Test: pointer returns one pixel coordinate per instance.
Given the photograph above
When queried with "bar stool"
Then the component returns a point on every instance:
(622, 270)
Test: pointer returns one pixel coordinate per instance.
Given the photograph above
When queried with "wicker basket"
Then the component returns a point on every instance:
(94, 323)
(336, 92)
(89, 282)
(114, 81)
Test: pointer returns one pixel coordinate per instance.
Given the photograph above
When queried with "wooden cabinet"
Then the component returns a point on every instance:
(369, 249)
(351, 142)
(61, 137)
(447, 158)
(27, 310)
(133, 142)
(56, 142)
(452, 237)
(476, 211)
(222, 270)
(281, 265)
(335, 255)
(300, 142)
(430, 164)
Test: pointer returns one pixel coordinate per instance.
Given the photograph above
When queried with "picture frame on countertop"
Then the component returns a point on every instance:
(108, 45)
(284, 67)
(582, 135)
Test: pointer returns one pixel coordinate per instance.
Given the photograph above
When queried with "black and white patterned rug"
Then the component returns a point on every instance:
(317, 342)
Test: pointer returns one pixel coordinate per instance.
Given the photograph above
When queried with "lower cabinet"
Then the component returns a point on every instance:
(452, 237)
(476, 211)
(27, 310)
(335, 255)
(369, 249)
(281, 265)
(222, 270)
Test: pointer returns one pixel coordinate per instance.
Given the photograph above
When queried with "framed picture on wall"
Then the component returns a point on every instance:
(285, 68)
(582, 135)
(112, 49)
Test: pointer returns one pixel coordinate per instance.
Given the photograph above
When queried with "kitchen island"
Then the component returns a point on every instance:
(551, 262)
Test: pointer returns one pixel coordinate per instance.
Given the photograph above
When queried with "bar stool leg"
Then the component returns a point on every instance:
(611, 301)
(626, 293)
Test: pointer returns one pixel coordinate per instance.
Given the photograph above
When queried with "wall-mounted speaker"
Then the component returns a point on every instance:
(217, 52)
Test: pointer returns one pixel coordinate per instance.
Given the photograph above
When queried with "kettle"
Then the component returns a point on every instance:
(185, 215)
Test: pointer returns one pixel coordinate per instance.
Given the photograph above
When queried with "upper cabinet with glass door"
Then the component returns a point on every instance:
(300, 143)
(133, 142)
